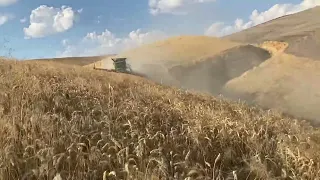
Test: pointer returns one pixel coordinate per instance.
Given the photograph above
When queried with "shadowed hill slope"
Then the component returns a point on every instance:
(211, 73)
(71, 122)
(300, 30)
(284, 82)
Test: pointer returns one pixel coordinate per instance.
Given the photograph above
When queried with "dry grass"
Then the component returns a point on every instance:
(82, 124)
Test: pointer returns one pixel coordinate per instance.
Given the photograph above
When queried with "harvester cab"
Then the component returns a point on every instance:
(120, 65)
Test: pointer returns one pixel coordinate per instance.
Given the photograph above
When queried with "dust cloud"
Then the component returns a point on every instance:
(211, 73)
(207, 75)
(157, 71)
(285, 83)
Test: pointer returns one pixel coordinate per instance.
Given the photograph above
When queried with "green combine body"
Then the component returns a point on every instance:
(120, 65)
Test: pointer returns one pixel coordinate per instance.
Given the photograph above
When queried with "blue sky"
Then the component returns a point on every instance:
(56, 28)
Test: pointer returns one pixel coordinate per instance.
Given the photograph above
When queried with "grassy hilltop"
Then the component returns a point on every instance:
(76, 123)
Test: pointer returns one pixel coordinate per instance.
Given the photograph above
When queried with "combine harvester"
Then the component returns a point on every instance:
(120, 66)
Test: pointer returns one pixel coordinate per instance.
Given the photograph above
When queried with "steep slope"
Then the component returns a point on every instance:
(284, 82)
(69, 122)
(154, 59)
(180, 49)
(301, 31)
(211, 73)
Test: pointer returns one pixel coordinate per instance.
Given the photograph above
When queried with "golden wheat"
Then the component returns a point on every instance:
(64, 122)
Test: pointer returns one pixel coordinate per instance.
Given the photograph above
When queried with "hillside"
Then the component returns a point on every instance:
(75, 123)
(210, 73)
(176, 50)
(155, 59)
(284, 82)
(300, 30)
(79, 61)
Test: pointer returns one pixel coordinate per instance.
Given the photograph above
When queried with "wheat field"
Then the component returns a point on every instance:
(66, 122)
(77, 61)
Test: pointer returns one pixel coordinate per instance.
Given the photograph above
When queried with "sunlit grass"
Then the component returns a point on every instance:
(76, 123)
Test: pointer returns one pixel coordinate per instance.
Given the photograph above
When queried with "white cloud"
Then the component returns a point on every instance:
(7, 2)
(23, 20)
(4, 18)
(98, 19)
(107, 43)
(45, 21)
(80, 10)
(171, 6)
(65, 42)
(221, 29)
